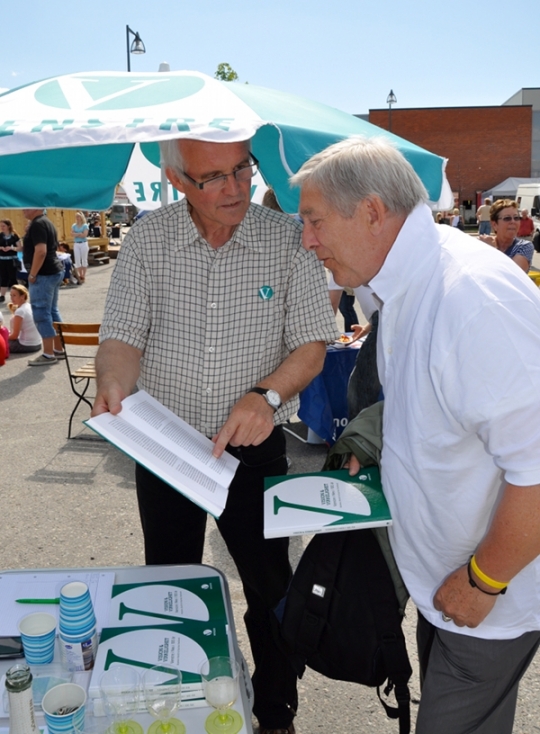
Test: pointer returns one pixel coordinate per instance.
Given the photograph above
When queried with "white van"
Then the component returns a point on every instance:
(528, 197)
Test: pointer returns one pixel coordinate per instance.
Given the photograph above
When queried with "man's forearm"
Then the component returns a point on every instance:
(118, 362)
(117, 369)
(40, 253)
(297, 370)
(513, 539)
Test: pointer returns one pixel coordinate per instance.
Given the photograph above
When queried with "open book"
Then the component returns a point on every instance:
(324, 502)
(170, 448)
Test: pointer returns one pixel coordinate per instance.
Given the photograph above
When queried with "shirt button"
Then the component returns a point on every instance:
(213, 305)
(208, 390)
(211, 349)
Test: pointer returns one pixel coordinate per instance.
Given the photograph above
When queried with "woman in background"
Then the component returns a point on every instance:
(23, 335)
(10, 244)
(80, 245)
(505, 219)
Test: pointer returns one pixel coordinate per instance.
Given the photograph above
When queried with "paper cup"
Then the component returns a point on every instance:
(38, 634)
(66, 696)
(76, 615)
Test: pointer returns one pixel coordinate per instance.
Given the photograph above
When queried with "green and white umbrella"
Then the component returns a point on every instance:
(67, 141)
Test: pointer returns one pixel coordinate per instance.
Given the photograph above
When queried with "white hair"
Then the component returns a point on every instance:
(171, 157)
(349, 171)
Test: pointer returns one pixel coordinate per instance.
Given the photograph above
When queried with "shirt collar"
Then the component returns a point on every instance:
(415, 246)
(246, 234)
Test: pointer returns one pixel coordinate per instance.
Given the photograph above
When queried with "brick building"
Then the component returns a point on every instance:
(484, 145)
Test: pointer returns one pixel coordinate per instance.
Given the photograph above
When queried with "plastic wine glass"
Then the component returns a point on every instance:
(120, 693)
(162, 688)
(220, 684)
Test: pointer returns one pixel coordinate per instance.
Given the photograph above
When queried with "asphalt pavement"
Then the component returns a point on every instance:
(72, 503)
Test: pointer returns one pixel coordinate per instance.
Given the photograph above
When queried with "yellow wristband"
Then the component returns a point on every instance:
(486, 579)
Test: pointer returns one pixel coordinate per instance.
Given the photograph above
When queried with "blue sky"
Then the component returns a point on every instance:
(345, 53)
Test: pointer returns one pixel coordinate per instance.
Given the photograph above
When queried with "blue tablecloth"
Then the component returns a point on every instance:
(323, 404)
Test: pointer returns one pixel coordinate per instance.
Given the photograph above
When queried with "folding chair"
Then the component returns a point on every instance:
(80, 375)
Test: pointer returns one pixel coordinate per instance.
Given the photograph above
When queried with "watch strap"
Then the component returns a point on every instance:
(263, 391)
(259, 390)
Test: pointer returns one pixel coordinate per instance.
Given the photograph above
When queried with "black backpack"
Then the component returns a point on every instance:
(341, 617)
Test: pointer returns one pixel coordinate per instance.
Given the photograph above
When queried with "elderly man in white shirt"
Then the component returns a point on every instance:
(458, 356)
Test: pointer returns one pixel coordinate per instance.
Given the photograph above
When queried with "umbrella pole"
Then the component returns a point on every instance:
(164, 186)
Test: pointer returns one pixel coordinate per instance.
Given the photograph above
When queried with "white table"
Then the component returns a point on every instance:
(193, 718)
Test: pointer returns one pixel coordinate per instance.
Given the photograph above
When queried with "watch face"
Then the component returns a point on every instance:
(273, 398)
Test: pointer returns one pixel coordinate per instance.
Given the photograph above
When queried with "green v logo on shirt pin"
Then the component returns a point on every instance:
(266, 292)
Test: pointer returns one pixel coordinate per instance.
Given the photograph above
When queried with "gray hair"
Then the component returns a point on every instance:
(353, 169)
(171, 157)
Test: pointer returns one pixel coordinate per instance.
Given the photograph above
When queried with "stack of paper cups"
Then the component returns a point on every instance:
(77, 627)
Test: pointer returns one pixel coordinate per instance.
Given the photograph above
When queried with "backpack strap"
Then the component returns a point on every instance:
(399, 671)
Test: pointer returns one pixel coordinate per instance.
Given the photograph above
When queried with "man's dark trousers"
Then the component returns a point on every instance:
(174, 528)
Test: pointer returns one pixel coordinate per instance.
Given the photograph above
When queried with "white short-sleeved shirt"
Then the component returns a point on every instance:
(459, 361)
(211, 322)
(28, 335)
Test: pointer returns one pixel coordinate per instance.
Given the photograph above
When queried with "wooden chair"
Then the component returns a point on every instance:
(81, 371)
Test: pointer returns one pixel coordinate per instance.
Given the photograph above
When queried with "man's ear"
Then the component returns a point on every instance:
(175, 180)
(375, 212)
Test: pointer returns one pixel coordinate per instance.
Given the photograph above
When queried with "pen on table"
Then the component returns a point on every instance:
(37, 601)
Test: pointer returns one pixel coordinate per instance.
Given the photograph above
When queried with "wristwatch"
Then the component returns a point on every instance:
(272, 397)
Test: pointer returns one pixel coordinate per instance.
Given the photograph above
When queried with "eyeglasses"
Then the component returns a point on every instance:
(509, 219)
(245, 173)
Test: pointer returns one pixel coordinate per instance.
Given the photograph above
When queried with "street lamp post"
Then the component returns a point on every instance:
(137, 46)
(390, 100)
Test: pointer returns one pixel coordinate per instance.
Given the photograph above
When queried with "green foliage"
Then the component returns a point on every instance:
(225, 73)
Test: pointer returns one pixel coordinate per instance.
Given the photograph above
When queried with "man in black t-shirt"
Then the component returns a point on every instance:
(45, 274)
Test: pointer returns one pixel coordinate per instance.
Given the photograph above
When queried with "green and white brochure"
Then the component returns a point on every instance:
(165, 602)
(185, 645)
(324, 502)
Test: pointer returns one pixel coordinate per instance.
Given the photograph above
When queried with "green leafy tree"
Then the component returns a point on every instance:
(225, 73)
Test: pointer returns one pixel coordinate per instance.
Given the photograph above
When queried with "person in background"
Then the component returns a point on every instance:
(526, 226)
(269, 200)
(23, 335)
(505, 221)
(456, 219)
(80, 245)
(457, 354)
(71, 275)
(45, 274)
(4, 342)
(10, 245)
(346, 309)
(483, 218)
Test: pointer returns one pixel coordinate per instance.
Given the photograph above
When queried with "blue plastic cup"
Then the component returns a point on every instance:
(38, 635)
(64, 708)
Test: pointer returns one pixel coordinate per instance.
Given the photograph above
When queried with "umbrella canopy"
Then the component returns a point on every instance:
(67, 141)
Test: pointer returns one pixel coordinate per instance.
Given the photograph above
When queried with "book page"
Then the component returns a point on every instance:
(183, 477)
(151, 417)
(167, 446)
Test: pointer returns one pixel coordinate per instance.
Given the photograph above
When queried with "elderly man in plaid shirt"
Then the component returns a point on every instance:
(217, 311)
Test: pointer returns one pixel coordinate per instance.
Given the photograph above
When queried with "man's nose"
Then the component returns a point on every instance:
(231, 185)
(309, 241)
